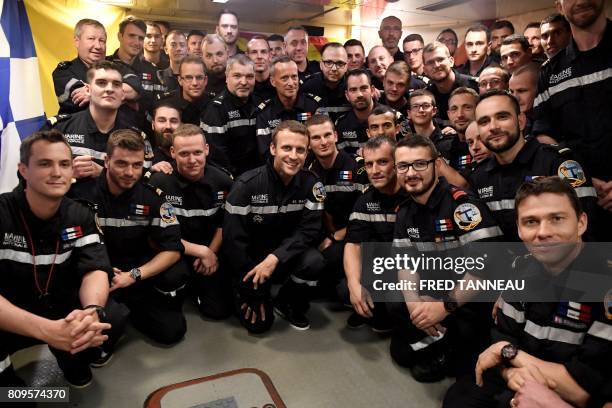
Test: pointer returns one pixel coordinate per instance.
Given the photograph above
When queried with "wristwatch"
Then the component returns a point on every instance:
(450, 304)
(99, 310)
(135, 274)
(508, 352)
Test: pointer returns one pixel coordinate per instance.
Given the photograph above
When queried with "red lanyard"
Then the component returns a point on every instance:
(33, 251)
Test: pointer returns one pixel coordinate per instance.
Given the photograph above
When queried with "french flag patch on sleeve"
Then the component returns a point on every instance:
(139, 209)
(345, 175)
(72, 233)
(303, 116)
(444, 224)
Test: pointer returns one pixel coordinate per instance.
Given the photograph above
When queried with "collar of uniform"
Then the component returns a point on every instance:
(294, 183)
(236, 101)
(80, 65)
(214, 80)
(35, 224)
(572, 51)
(524, 155)
(91, 126)
(183, 182)
(399, 196)
(436, 135)
(103, 186)
(341, 160)
(438, 192)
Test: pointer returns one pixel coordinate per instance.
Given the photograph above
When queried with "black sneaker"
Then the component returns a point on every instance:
(430, 371)
(355, 321)
(103, 359)
(381, 326)
(79, 382)
(297, 320)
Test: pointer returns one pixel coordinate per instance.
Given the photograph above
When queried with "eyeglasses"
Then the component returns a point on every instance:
(418, 165)
(190, 78)
(447, 41)
(337, 64)
(491, 83)
(418, 106)
(415, 51)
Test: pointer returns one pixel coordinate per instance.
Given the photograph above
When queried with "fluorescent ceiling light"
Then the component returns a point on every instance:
(117, 2)
(220, 1)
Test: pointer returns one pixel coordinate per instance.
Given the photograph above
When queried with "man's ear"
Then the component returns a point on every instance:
(23, 170)
(522, 119)
(173, 153)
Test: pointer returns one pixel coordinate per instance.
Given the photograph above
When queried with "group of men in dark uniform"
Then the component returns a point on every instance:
(227, 171)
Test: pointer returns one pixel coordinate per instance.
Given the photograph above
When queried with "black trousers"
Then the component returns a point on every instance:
(296, 276)
(213, 293)
(466, 394)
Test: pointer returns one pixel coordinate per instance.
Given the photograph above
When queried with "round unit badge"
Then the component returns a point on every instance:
(166, 211)
(467, 216)
(318, 191)
(571, 171)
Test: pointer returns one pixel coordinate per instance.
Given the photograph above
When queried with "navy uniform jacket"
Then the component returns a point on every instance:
(215, 85)
(573, 333)
(146, 74)
(351, 132)
(312, 67)
(229, 125)
(137, 224)
(333, 101)
(199, 205)
(497, 184)
(272, 112)
(343, 183)
(68, 76)
(264, 216)
(69, 239)
(573, 103)
(263, 91)
(442, 99)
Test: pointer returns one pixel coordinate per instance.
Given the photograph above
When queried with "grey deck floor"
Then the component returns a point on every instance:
(326, 366)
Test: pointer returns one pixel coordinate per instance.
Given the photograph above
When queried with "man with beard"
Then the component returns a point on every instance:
(194, 43)
(227, 28)
(533, 35)
(296, 47)
(153, 46)
(176, 48)
(258, 51)
(390, 32)
(288, 103)
(143, 240)
(215, 60)
(355, 54)
(379, 202)
(514, 160)
(523, 86)
(477, 40)
(87, 131)
(573, 102)
(560, 342)
(493, 78)
(69, 78)
(443, 78)
(166, 119)
(439, 218)
(344, 178)
(351, 126)
(197, 192)
(271, 224)
(329, 83)
(461, 106)
(229, 120)
(500, 30)
(556, 34)
(378, 61)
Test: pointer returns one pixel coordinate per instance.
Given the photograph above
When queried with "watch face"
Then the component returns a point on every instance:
(509, 351)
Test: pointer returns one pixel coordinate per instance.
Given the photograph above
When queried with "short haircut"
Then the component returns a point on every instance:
(150, 23)
(533, 24)
(542, 185)
(163, 23)
(292, 126)
(382, 109)
(463, 90)
(499, 24)
(377, 141)
(331, 45)
(192, 59)
(188, 129)
(479, 28)
(226, 11)
(319, 119)
(50, 136)
(517, 39)
(422, 92)
(275, 37)
(503, 73)
(354, 43)
(127, 139)
(295, 28)
(419, 141)
(451, 31)
(281, 59)
(165, 103)
(433, 46)
(78, 28)
(358, 72)
(532, 68)
(174, 32)
(413, 37)
(105, 65)
(132, 20)
(556, 18)
(240, 59)
(194, 33)
(213, 38)
(499, 92)
(399, 68)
